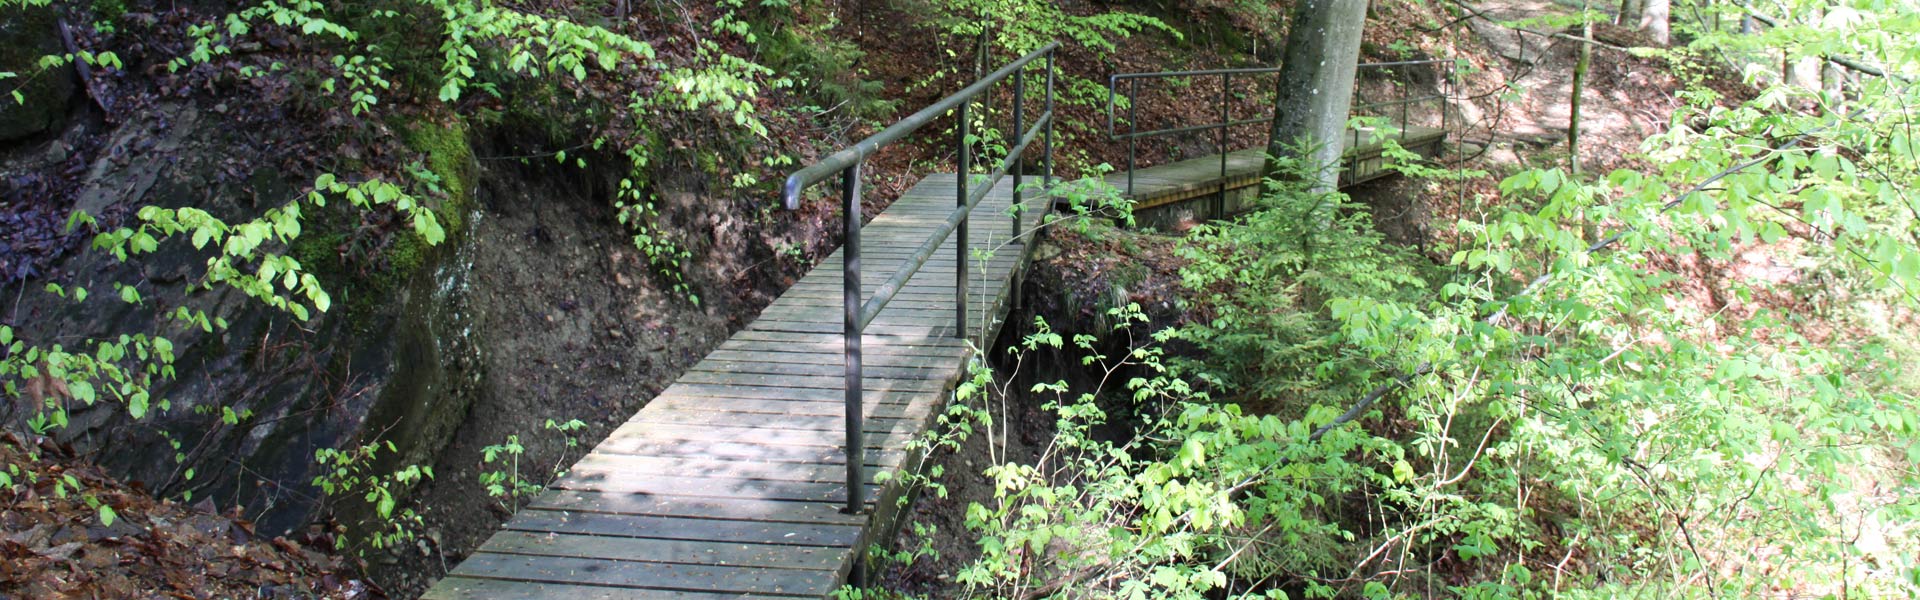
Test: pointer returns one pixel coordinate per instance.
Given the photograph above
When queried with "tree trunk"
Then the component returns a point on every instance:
(1588, 228)
(1316, 84)
(1629, 12)
(1654, 20)
(1580, 66)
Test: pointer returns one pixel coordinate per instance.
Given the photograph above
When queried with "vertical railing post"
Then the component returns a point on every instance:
(1226, 117)
(1133, 127)
(1047, 184)
(1446, 106)
(850, 259)
(960, 233)
(1406, 98)
(1019, 135)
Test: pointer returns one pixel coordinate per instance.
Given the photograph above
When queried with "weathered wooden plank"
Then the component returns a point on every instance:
(925, 282)
(832, 359)
(891, 317)
(707, 487)
(747, 407)
(837, 325)
(683, 528)
(876, 383)
(871, 340)
(750, 435)
(711, 392)
(746, 451)
(835, 301)
(871, 345)
(739, 509)
(456, 587)
(885, 422)
(820, 368)
(941, 296)
(608, 466)
(645, 575)
(937, 290)
(941, 263)
(664, 551)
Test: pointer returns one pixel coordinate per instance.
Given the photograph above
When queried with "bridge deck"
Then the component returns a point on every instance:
(1200, 177)
(730, 482)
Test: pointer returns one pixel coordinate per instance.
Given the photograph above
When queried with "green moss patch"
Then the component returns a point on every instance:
(365, 279)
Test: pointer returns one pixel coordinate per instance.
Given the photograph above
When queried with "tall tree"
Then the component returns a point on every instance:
(1654, 19)
(1316, 83)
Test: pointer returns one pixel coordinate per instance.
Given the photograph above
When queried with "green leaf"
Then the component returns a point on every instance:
(107, 515)
(1402, 472)
(1772, 232)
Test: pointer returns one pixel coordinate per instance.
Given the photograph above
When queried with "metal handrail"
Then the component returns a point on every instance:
(1226, 122)
(848, 162)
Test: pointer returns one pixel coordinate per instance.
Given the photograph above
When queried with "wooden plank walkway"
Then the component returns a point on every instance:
(730, 483)
(1200, 177)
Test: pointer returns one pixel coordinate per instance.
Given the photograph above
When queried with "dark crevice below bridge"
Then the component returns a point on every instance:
(733, 482)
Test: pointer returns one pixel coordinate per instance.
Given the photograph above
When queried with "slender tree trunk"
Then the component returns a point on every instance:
(1654, 19)
(1579, 89)
(1316, 84)
(1588, 228)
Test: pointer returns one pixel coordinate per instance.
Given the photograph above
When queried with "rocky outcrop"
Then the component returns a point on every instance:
(249, 404)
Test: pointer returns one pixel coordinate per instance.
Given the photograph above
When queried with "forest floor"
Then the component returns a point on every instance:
(56, 546)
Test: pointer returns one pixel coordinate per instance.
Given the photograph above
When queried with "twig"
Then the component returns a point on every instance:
(1844, 61)
(80, 64)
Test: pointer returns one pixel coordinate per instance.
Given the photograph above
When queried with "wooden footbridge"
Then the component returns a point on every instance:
(734, 482)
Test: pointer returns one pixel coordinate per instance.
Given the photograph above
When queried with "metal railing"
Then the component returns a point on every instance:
(847, 165)
(1227, 122)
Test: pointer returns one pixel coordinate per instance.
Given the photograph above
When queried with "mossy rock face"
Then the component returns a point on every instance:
(449, 156)
(26, 35)
(369, 284)
(413, 300)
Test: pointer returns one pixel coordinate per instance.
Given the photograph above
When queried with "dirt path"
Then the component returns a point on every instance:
(1627, 98)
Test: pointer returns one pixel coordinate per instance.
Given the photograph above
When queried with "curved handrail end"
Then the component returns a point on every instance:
(790, 195)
